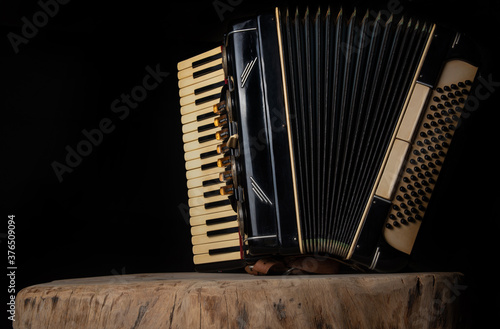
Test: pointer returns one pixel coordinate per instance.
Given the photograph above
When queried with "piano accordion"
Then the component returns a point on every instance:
(319, 132)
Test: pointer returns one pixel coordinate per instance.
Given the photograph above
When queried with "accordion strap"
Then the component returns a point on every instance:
(294, 265)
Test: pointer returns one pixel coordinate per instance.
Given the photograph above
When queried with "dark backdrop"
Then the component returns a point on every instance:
(121, 210)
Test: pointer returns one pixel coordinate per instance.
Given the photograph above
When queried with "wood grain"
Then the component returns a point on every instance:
(195, 300)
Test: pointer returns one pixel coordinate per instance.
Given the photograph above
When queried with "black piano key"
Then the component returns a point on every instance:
(209, 154)
(207, 99)
(206, 60)
(221, 220)
(223, 231)
(208, 70)
(211, 193)
(212, 86)
(209, 165)
(211, 182)
(206, 127)
(207, 115)
(223, 250)
(206, 138)
(215, 204)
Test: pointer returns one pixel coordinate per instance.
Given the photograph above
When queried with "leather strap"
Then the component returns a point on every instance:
(294, 265)
(266, 266)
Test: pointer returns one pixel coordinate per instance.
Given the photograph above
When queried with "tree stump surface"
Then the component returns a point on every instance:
(218, 300)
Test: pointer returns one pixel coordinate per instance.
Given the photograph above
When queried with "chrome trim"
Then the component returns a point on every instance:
(238, 31)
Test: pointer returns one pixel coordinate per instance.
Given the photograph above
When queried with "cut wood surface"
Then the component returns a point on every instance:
(201, 300)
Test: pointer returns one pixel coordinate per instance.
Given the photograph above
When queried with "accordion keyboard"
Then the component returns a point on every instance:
(214, 224)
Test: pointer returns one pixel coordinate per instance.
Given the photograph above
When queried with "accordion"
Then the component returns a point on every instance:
(319, 132)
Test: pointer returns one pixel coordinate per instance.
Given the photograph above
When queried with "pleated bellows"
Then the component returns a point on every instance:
(347, 79)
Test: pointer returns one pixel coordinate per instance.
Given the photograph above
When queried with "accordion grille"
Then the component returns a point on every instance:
(347, 79)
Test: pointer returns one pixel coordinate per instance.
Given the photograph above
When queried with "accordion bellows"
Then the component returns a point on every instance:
(318, 132)
(347, 83)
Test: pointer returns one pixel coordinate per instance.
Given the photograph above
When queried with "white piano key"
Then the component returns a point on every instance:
(189, 90)
(192, 80)
(206, 247)
(206, 258)
(201, 201)
(197, 182)
(187, 63)
(201, 239)
(198, 172)
(207, 106)
(203, 229)
(197, 163)
(201, 210)
(193, 117)
(188, 72)
(191, 99)
(193, 126)
(200, 191)
(195, 154)
(195, 144)
(203, 218)
(194, 135)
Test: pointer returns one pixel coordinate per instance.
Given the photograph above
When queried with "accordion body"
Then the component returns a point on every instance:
(319, 133)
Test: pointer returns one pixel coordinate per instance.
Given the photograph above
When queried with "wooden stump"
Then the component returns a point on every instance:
(194, 300)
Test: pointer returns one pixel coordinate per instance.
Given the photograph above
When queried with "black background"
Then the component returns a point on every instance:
(122, 209)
